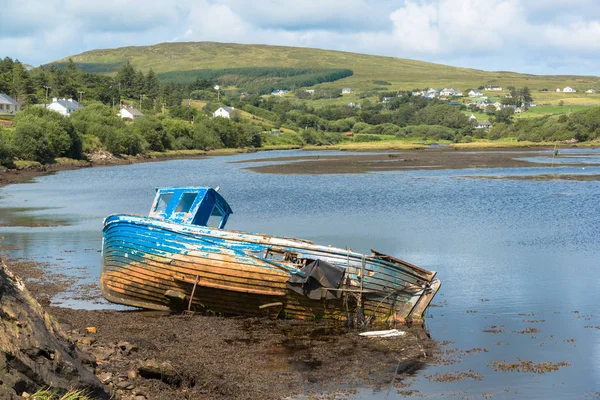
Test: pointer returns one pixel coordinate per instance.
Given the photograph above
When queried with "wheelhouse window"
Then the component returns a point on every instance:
(163, 202)
(185, 204)
(216, 216)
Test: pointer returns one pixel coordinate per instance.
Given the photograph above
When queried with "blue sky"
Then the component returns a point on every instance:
(530, 36)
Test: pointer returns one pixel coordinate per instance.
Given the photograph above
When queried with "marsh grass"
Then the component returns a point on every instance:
(48, 394)
(370, 146)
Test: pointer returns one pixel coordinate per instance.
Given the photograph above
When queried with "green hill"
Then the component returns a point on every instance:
(369, 72)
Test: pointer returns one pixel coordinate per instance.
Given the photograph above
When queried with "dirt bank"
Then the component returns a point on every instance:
(406, 160)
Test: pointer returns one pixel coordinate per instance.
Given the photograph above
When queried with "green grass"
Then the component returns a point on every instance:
(400, 73)
(555, 110)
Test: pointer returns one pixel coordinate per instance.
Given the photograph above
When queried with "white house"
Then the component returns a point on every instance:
(8, 106)
(279, 92)
(591, 91)
(482, 125)
(346, 90)
(475, 93)
(569, 89)
(224, 112)
(310, 91)
(129, 113)
(557, 90)
(493, 88)
(450, 92)
(64, 106)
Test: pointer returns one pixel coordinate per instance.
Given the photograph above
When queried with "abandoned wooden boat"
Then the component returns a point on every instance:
(180, 257)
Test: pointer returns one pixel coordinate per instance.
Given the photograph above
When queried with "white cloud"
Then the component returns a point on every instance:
(578, 37)
(538, 36)
(449, 26)
(215, 22)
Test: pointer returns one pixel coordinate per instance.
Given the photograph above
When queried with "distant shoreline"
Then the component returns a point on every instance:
(14, 176)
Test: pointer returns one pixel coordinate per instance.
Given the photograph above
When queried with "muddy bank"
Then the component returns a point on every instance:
(406, 160)
(176, 356)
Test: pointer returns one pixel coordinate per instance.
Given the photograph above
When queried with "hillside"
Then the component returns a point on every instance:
(370, 71)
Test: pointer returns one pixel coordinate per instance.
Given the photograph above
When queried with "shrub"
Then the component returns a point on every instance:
(152, 131)
(203, 136)
(6, 156)
(366, 138)
(31, 143)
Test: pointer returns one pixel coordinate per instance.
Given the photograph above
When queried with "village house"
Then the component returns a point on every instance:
(493, 88)
(569, 89)
(130, 113)
(310, 91)
(224, 112)
(8, 106)
(346, 90)
(430, 96)
(353, 105)
(386, 100)
(482, 125)
(591, 91)
(450, 92)
(516, 109)
(557, 90)
(64, 106)
(418, 93)
(279, 92)
(475, 93)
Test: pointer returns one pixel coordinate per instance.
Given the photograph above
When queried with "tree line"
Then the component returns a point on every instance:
(259, 80)
(39, 85)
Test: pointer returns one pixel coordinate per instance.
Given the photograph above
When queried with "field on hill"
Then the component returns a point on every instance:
(370, 72)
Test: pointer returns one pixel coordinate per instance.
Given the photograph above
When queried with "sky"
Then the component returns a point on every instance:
(528, 36)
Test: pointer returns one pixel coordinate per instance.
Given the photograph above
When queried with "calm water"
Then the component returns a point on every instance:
(508, 251)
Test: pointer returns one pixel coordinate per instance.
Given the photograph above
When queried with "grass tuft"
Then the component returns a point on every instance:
(49, 394)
